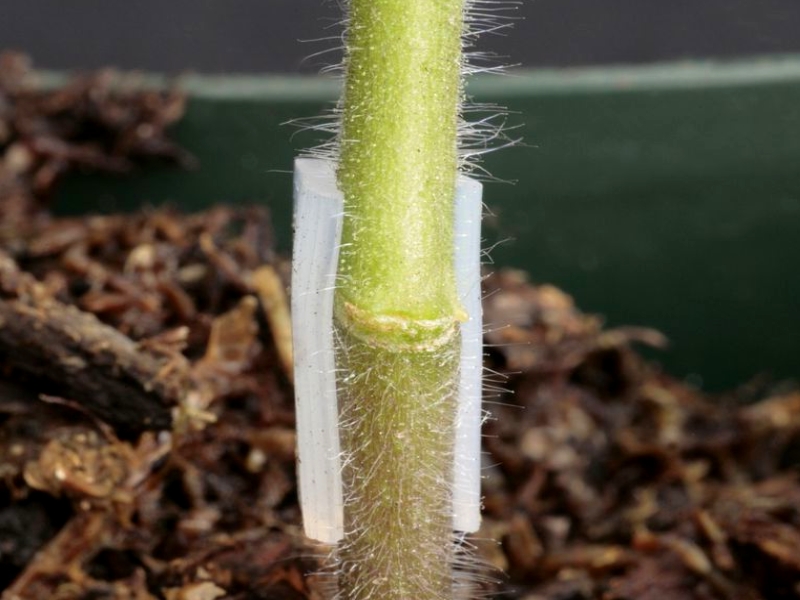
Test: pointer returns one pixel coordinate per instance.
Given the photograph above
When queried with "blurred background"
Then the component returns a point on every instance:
(658, 195)
(263, 35)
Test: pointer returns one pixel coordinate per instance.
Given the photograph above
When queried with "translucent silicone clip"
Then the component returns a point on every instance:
(467, 256)
(317, 228)
(318, 217)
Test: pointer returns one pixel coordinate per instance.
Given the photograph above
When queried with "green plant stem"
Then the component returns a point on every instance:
(397, 424)
(396, 308)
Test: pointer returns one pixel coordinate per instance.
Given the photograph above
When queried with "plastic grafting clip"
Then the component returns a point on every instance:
(318, 209)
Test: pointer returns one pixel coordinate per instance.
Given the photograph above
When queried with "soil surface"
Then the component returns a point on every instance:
(147, 421)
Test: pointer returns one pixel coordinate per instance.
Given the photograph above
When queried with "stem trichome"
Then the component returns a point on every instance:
(396, 308)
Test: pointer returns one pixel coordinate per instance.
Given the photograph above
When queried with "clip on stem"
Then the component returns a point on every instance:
(318, 213)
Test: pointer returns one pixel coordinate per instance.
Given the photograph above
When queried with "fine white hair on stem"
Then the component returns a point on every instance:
(482, 128)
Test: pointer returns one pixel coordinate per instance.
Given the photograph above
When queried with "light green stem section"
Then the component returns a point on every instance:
(396, 306)
(398, 159)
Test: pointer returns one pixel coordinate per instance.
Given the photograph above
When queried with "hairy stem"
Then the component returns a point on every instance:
(398, 160)
(397, 435)
(396, 308)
